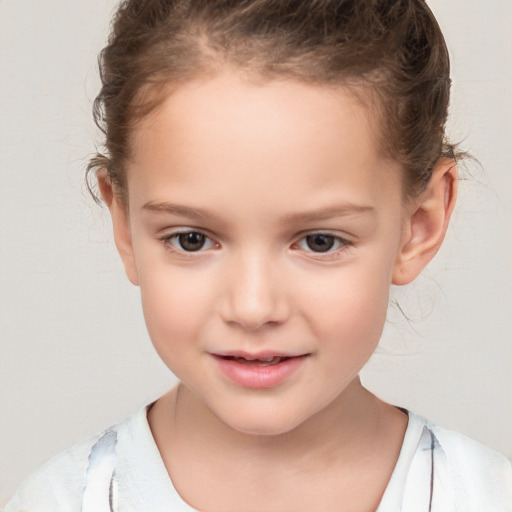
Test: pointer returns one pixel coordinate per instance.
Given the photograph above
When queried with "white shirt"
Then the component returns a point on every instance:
(121, 470)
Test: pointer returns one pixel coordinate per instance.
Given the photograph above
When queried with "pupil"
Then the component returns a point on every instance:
(320, 243)
(191, 241)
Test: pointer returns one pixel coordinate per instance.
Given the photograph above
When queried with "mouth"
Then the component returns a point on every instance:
(263, 370)
(253, 361)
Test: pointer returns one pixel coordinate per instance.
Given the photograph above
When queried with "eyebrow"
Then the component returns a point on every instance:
(178, 209)
(327, 213)
(298, 217)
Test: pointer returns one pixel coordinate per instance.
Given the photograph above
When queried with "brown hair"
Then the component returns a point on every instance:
(393, 49)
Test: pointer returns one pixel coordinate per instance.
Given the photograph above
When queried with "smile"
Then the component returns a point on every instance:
(258, 371)
(265, 361)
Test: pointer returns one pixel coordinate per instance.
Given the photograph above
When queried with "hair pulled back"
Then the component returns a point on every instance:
(392, 49)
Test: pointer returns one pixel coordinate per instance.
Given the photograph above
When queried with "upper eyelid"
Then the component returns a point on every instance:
(190, 229)
(347, 239)
(344, 242)
(326, 232)
(169, 233)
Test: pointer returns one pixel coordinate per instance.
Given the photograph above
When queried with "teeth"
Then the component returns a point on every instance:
(266, 361)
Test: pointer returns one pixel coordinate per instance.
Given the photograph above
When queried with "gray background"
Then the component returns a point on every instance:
(74, 353)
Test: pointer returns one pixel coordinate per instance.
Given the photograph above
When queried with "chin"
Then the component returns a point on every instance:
(262, 424)
(262, 429)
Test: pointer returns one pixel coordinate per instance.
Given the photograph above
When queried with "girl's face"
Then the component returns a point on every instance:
(263, 223)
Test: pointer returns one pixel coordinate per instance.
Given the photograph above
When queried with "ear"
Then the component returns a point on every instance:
(427, 222)
(121, 224)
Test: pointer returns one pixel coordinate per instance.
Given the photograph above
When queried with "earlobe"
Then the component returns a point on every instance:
(427, 222)
(121, 225)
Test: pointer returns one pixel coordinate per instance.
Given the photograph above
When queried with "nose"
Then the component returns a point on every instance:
(254, 296)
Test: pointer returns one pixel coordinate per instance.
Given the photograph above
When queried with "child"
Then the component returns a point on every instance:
(271, 168)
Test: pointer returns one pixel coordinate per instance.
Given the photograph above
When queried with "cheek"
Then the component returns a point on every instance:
(348, 307)
(175, 306)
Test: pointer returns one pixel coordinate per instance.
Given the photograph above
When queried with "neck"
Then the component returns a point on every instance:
(353, 414)
(352, 443)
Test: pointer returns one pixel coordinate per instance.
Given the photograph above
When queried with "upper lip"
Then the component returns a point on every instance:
(264, 354)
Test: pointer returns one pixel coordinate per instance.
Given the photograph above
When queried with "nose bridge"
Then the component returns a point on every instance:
(254, 295)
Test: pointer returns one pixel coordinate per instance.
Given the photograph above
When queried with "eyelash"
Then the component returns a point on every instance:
(168, 239)
(341, 244)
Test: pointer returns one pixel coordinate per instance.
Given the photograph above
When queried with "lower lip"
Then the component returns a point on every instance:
(259, 377)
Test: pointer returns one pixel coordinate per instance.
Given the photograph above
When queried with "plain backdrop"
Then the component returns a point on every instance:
(75, 356)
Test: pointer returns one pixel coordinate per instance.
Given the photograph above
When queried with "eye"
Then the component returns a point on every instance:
(322, 242)
(188, 241)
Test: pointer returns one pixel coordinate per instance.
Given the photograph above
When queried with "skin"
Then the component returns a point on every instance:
(258, 158)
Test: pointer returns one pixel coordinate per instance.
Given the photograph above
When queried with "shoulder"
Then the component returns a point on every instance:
(465, 474)
(59, 484)
(476, 470)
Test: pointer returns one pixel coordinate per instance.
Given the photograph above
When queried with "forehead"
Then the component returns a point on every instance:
(259, 135)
